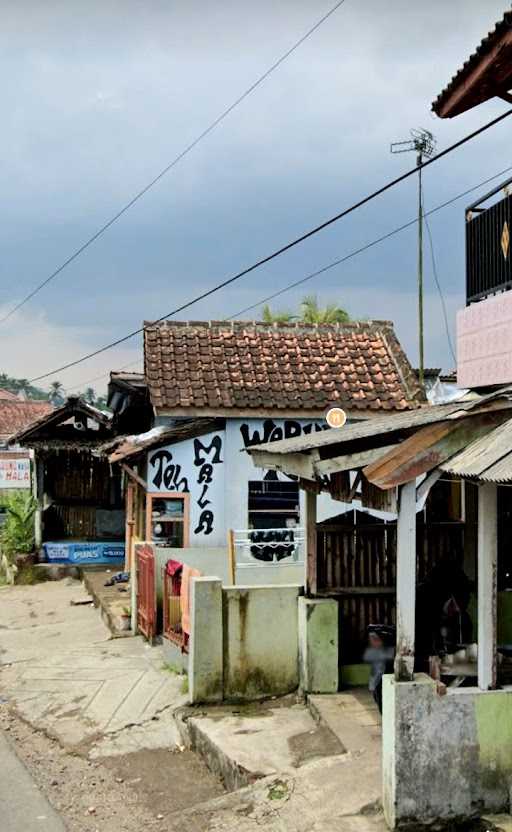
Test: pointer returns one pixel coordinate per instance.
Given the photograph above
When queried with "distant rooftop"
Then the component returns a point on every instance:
(16, 415)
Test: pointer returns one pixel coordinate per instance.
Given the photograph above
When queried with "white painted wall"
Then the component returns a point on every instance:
(197, 467)
(227, 493)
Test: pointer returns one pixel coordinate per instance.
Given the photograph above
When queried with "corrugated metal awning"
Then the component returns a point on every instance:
(488, 459)
(467, 438)
(372, 427)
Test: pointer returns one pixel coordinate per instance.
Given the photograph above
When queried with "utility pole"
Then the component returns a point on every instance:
(423, 143)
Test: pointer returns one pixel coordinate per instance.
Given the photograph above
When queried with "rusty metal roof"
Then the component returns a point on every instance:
(486, 73)
(366, 428)
(124, 447)
(488, 459)
(471, 439)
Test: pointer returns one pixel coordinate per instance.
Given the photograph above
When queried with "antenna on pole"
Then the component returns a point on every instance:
(424, 144)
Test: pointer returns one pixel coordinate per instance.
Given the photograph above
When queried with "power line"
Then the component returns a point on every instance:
(174, 162)
(306, 236)
(333, 264)
(367, 246)
(439, 289)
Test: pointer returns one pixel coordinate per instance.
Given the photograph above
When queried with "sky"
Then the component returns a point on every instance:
(98, 97)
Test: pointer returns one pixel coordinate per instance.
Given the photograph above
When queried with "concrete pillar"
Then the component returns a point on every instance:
(487, 584)
(318, 645)
(405, 582)
(205, 674)
(311, 542)
(410, 768)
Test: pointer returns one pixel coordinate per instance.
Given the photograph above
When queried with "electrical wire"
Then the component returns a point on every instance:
(438, 284)
(306, 236)
(174, 162)
(331, 265)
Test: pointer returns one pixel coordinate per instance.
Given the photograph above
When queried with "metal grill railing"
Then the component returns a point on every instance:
(488, 249)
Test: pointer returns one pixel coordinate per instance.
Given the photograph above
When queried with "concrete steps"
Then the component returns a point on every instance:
(242, 744)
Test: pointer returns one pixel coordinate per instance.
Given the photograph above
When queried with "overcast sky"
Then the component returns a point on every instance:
(98, 97)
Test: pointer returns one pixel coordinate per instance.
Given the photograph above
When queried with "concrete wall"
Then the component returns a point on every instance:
(214, 561)
(444, 757)
(209, 560)
(318, 645)
(206, 663)
(254, 631)
(260, 641)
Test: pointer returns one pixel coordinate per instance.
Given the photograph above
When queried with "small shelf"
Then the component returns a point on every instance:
(167, 518)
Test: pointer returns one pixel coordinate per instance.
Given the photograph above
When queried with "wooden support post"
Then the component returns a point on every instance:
(134, 476)
(129, 524)
(405, 582)
(311, 547)
(487, 584)
(38, 492)
(232, 556)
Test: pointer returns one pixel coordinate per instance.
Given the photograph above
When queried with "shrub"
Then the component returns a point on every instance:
(17, 536)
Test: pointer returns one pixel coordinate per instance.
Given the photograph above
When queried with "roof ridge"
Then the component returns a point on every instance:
(234, 325)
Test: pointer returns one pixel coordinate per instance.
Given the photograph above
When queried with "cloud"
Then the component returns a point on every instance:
(99, 102)
(31, 344)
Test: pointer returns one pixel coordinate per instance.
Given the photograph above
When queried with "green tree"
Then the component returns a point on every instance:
(310, 313)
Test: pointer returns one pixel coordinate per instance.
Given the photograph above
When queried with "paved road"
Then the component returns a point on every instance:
(24, 807)
(65, 676)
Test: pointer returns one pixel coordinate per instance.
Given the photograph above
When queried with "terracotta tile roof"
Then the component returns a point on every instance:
(215, 367)
(7, 395)
(17, 415)
(490, 68)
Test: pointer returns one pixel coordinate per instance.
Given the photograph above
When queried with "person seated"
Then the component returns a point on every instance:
(379, 655)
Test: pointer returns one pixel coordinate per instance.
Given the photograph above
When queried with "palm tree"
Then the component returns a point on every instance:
(310, 313)
(270, 317)
(56, 394)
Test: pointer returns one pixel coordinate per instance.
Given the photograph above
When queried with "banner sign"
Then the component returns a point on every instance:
(14, 470)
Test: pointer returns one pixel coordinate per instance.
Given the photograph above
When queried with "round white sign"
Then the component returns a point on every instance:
(335, 417)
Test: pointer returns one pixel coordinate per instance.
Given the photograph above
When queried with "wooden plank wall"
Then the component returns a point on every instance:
(72, 476)
(78, 484)
(357, 565)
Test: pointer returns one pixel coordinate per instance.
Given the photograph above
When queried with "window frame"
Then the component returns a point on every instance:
(168, 495)
(272, 512)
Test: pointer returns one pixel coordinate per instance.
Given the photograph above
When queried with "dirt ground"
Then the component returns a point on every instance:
(127, 793)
